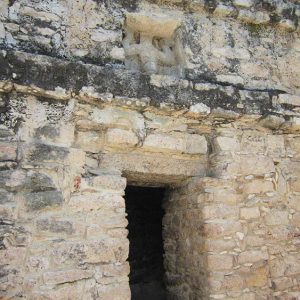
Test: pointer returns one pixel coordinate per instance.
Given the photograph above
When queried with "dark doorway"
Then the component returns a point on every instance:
(145, 212)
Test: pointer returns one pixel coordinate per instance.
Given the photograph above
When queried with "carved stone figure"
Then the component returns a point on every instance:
(153, 49)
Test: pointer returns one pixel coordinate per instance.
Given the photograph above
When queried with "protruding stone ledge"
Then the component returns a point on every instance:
(63, 80)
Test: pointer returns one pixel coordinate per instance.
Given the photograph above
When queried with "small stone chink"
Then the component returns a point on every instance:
(153, 45)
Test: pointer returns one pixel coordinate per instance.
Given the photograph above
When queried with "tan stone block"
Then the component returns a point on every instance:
(275, 145)
(220, 229)
(255, 241)
(121, 137)
(292, 264)
(118, 117)
(223, 143)
(258, 187)
(252, 256)
(250, 213)
(277, 267)
(256, 164)
(162, 142)
(282, 283)
(294, 202)
(253, 142)
(232, 283)
(110, 182)
(219, 262)
(296, 219)
(277, 217)
(95, 201)
(218, 245)
(91, 141)
(8, 151)
(219, 211)
(258, 277)
(195, 144)
(58, 277)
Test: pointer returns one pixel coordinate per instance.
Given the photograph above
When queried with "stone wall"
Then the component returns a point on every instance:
(210, 112)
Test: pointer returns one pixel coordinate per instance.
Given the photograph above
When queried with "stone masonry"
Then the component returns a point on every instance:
(200, 97)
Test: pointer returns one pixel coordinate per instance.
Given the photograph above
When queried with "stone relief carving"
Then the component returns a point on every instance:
(153, 44)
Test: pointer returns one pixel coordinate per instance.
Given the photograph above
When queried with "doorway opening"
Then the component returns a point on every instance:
(145, 213)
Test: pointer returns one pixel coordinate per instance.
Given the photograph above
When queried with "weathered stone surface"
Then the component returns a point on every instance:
(250, 213)
(253, 256)
(121, 137)
(40, 200)
(220, 262)
(58, 277)
(8, 151)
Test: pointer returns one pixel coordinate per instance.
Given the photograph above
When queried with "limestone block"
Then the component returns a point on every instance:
(220, 211)
(253, 142)
(232, 282)
(258, 277)
(243, 3)
(95, 201)
(41, 200)
(277, 267)
(258, 187)
(161, 142)
(292, 264)
(219, 245)
(256, 165)
(58, 277)
(272, 122)
(275, 145)
(289, 99)
(195, 144)
(118, 117)
(42, 15)
(252, 256)
(12, 180)
(277, 217)
(120, 137)
(296, 219)
(2, 31)
(221, 228)
(62, 135)
(282, 283)
(219, 262)
(187, 143)
(223, 143)
(110, 182)
(95, 251)
(8, 151)
(55, 226)
(90, 141)
(223, 10)
(250, 213)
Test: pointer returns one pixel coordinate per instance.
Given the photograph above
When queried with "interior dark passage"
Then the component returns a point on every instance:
(144, 209)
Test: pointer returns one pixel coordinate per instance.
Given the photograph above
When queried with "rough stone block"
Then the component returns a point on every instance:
(277, 217)
(256, 165)
(41, 200)
(258, 277)
(220, 229)
(8, 151)
(163, 142)
(258, 187)
(252, 256)
(219, 211)
(250, 213)
(219, 262)
(121, 137)
(110, 182)
(90, 141)
(282, 283)
(95, 201)
(55, 226)
(223, 143)
(196, 144)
